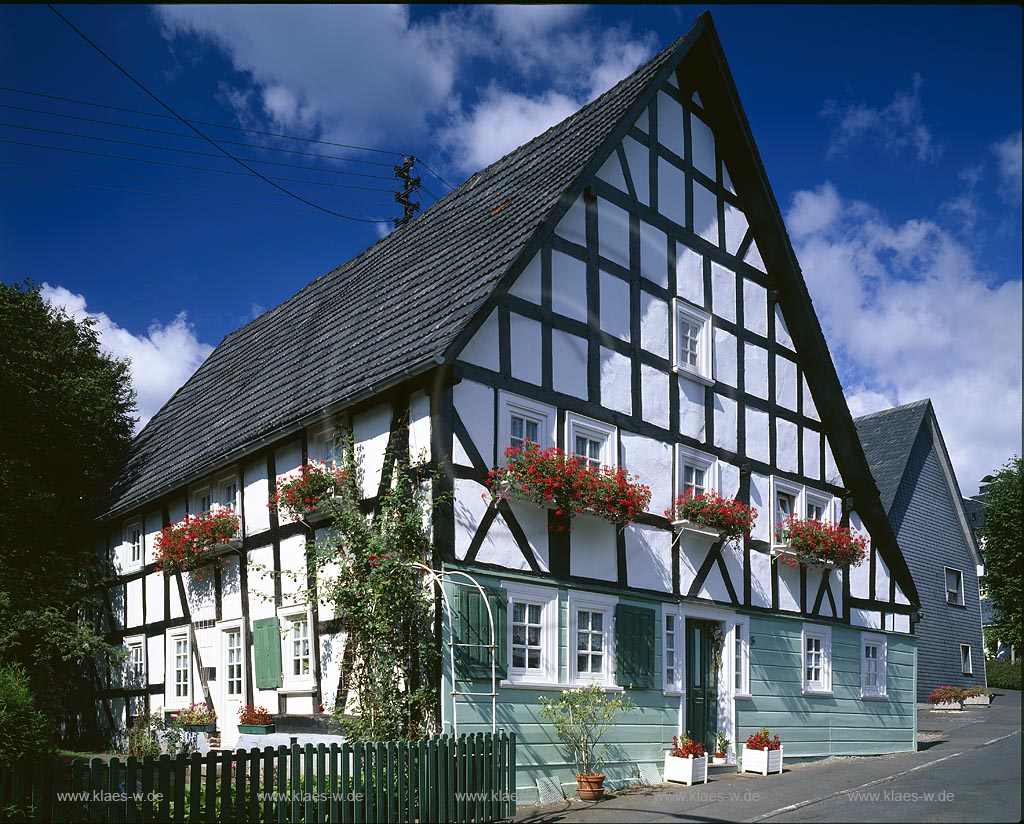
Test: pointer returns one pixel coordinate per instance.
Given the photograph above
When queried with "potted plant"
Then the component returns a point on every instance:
(197, 540)
(568, 484)
(808, 541)
(762, 753)
(581, 717)
(686, 762)
(977, 696)
(305, 494)
(197, 718)
(709, 514)
(722, 743)
(948, 698)
(255, 720)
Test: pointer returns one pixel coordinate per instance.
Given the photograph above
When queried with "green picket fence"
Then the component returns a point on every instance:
(441, 779)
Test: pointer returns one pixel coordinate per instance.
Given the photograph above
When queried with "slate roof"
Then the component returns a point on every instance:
(888, 438)
(390, 312)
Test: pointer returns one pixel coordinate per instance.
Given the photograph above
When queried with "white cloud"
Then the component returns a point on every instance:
(1008, 158)
(909, 313)
(161, 360)
(895, 127)
(813, 212)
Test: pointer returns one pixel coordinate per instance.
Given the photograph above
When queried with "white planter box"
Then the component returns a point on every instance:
(977, 701)
(948, 705)
(688, 771)
(762, 761)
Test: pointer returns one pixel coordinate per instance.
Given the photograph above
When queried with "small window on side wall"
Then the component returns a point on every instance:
(591, 440)
(872, 665)
(954, 587)
(965, 660)
(521, 420)
(691, 351)
(133, 540)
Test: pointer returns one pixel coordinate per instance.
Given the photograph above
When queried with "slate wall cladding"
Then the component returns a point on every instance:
(924, 518)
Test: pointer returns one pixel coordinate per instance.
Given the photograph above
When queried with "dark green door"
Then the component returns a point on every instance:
(701, 689)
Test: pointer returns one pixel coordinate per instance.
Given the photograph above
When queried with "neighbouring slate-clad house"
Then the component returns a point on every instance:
(911, 466)
(625, 279)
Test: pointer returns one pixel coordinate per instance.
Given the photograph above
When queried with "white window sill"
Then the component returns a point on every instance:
(696, 377)
(874, 696)
(746, 695)
(605, 686)
(673, 693)
(296, 690)
(532, 685)
(811, 693)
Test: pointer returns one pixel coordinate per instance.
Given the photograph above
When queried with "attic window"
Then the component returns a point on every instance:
(692, 349)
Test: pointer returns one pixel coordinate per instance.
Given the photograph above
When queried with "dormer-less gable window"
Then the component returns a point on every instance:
(521, 420)
(954, 587)
(133, 540)
(692, 341)
(591, 440)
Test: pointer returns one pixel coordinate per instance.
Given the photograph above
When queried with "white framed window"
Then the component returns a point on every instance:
(226, 491)
(591, 638)
(954, 587)
(691, 351)
(786, 501)
(818, 507)
(133, 539)
(741, 659)
(135, 663)
(672, 651)
(695, 471)
(324, 446)
(521, 420)
(817, 659)
(872, 665)
(297, 649)
(597, 443)
(201, 500)
(532, 634)
(232, 646)
(180, 670)
(965, 660)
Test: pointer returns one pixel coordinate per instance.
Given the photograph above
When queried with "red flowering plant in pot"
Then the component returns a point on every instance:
(809, 541)
(731, 519)
(300, 493)
(686, 761)
(197, 540)
(255, 720)
(569, 484)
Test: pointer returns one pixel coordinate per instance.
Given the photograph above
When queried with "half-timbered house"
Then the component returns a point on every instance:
(624, 281)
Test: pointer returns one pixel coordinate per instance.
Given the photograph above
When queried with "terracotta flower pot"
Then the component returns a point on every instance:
(590, 787)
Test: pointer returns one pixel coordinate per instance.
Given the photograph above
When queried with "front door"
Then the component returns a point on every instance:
(701, 688)
(231, 676)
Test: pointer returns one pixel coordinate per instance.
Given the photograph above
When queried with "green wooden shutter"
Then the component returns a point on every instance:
(266, 636)
(469, 616)
(634, 646)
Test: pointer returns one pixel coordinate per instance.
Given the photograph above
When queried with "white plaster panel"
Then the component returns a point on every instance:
(672, 81)
(691, 556)
(459, 454)
(835, 584)
(786, 445)
(371, 430)
(175, 602)
(654, 395)
(134, 606)
(482, 349)
(154, 585)
(812, 454)
(613, 231)
(326, 574)
(900, 597)
(230, 590)
(726, 428)
(671, 192)
(419, 425)
(760, 579)
(713, 587)
(288, 458)
(293, 569)
(753, 257)
(573, 226)
(831, 470)
(732, 552)
(810, 410)
(890, 622)
(257, 492)
(866, 618)
(901, 623)
(638, 161)
(611, 173)
(755, 307)
(615, 313)
(785, 383)
(153, 522)
(860, 580)
(789, 587)
(703, 146)
(782, 331)
(648, 558)
(760, 497)
(261, 583)
(705, 213)
(616, 385)
(643, 122)
(332, 646)
(201, 592)
(500, 548)
(735, 228)
(691, 408)
(569, 286)
(670, 124)
(119, 609)
(881, 577)
(690, 274)
(475, 404)
(155, 660)
(176, 510)
(654, 323)
(757, 445)
(525, 337)
(534, 521)
(527, 285)
(592, 551)
(569, 364)
(653, 254)
(755, 373)
(728, 479)
(652, 461)
(723, 292)
(725, 357)
(727, 180)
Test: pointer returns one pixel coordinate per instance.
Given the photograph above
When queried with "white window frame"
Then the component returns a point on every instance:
(700, 460)
(543, 414)
(702, 371)
(673, 686)
(221, 487)
(131, 560)
(594, 430)
(547, 599)
(966, 665)
(292, 682)
(945, 586)
(174, 700)
(606, 606)
(739, 667)
(880, 642)
(132, 643)
(196, 497)
(226, 630)
(780, 485)
(324, 446)
(823, 686)
(819, 499)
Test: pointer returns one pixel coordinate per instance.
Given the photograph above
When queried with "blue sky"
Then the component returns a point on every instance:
(891, 137)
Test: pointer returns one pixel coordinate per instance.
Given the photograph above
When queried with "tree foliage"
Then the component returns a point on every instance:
(1003, 534)
(66, 423)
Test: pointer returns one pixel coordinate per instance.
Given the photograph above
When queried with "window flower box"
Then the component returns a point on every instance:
(709, 515)
(256, 729)
(255, 720)
(322, 513)
(304, 494)
(762, 761)
(696, 531)
(977, 701)
(808, 541)
(197, 540)
(788, 555)
(199, 727)
(197, 718)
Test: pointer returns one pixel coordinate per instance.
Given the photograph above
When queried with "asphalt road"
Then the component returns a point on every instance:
(967, 768)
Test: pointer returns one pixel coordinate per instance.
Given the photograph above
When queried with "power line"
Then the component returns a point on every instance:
(435, 174)
(226, 153)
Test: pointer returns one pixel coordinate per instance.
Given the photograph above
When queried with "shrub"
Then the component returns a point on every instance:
(947, 695)
(144, 736)
(24, 729)
(1003, 675)
(687, 747)
(760, 740)
(582, 716)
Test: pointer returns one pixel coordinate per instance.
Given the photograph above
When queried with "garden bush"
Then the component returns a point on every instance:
(1003, 675)
(24, 729)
